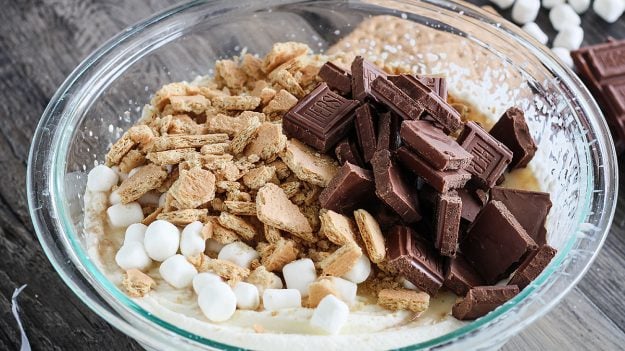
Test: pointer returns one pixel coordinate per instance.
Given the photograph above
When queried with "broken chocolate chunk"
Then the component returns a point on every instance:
(433, 145)
(351, 188)
(448, 211)
(347, 151)
(337, 78)
(460, 276)
(436, 84)
(471, 204)
(365, 131)
(363, 74)
(530, 208)
(490, 157)
(481, 300)
(395, 99)
(388, 131)
(512, 130)
(320, 119)
(415, 259)
(393, 189)
(495, 242)
(442, 181)
(532, 266)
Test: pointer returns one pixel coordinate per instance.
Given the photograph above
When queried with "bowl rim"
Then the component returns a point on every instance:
(50, 122)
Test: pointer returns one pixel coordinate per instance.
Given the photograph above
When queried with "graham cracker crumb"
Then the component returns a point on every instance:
(257, 177)
(285, 79)
(281, 53)
(119, 149)
(276, 255)
(268, 143)
(341, 260)
(221, 123)
(147, 178)
(162, 96)
(214, 149)
(244, 137)
(184, 217)
(225, 269)
(223, 235)
(216, 162)
(196, 104)
(141, 134)
(229, 72)
(320, 289)
(282, 170)
(280, 103)
(308, 165)
(263, 279)
(404, 299)
(258, 328)
(132, 159)
(207, 230)
(193, 188)
(272, 234)
(169, 180)
(337, 228)
(236, 103)
(371, 235)
(172, 157)
(238, 225)
(137, 283)
(275, 209)
(291, 188)
(152, 216)
(172, 142)
(251, 65)
(241, 208)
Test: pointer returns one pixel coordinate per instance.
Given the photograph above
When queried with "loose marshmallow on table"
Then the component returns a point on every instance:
(551, 3)
(217, 301)
(191, 241)
(135, 232)
(123, 215)
(346, 289)
(569, 38)
(177, 271)
(238, 253)
(609, 10)
(276, 299)
(247, 296)
(132, 255)
(564, 55)
(534, 30)
(330, 315)
(525, 11)
(360, 272)
(299, 275)
(203, 279)
(161, 240)
(101, 178)
(580, 6)
(503, 4)
(562, 16)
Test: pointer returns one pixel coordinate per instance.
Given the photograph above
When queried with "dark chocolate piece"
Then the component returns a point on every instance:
(391, 188)
(436, 84)
(385, 216)
(471, 205)
(530, 208)
(320, 119)
(495, 242)
(363, 74)
(388, 131)
(490, 157)
(347, 151)
(395, 99)
(365, 131)
(481, 300)
(532, 266)
(414, 259)
(350, 189)
(442, 181)
(448, 211)
(337, 78)
(436, 147)
(460, 276)
(433, 104)
(511, 129)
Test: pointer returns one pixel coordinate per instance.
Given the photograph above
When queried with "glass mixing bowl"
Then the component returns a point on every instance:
(103, 97)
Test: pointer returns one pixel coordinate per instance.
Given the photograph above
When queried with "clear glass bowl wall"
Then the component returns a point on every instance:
(104, 96)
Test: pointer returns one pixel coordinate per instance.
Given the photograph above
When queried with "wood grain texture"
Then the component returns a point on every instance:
(41, 41)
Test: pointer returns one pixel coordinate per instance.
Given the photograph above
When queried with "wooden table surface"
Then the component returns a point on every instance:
(41, 41)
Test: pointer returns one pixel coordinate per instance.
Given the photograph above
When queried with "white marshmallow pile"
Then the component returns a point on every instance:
(101, 178)
(161, 240)
(609, 10)
(360, 272)
(177, 271)
(217, 301)
(299, 275)
(525, 11)
(247, 296)
(277, 299)
(191, 241)
(123, 215)
(238, 253)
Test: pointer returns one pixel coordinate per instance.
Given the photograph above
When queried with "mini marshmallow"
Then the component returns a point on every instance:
(360, 272)
(238, 253)
(123, 215)
(161, 240)
(101, 178)
(217, 301)
(247, 296)
(525, 11)
(276, 299)
(503, 4)
(114, 198)
(150, 198)
(330, 315)
(122, 176)
(214, 246)
(132, 255)
(569, 38)
(177, 271)
(534, 30)
(346, 289)
(609, 10)
(408, 285)
(299, 274)
(564, 55)
(551, 3)
(191, 241)
(580, 6)
(562, 16)
(200, 281)
(135, 232)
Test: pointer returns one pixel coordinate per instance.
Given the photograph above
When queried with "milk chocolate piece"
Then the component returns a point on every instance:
(532, 266)
(433, 145)
(365, 131)
(388, 131)
(442, 181)
(347, 151)
(511, 129)
(336, 78)
(363, 74)
(471, 204)
(393, 189)
(320, 119)
(433, 104)
(460, 276)
(481, 300)
(530, 208)
(490, 157)
(448, 211)
(495, 242)
(395, 99)
(351, 188)
(436, 84)
(415, 259)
